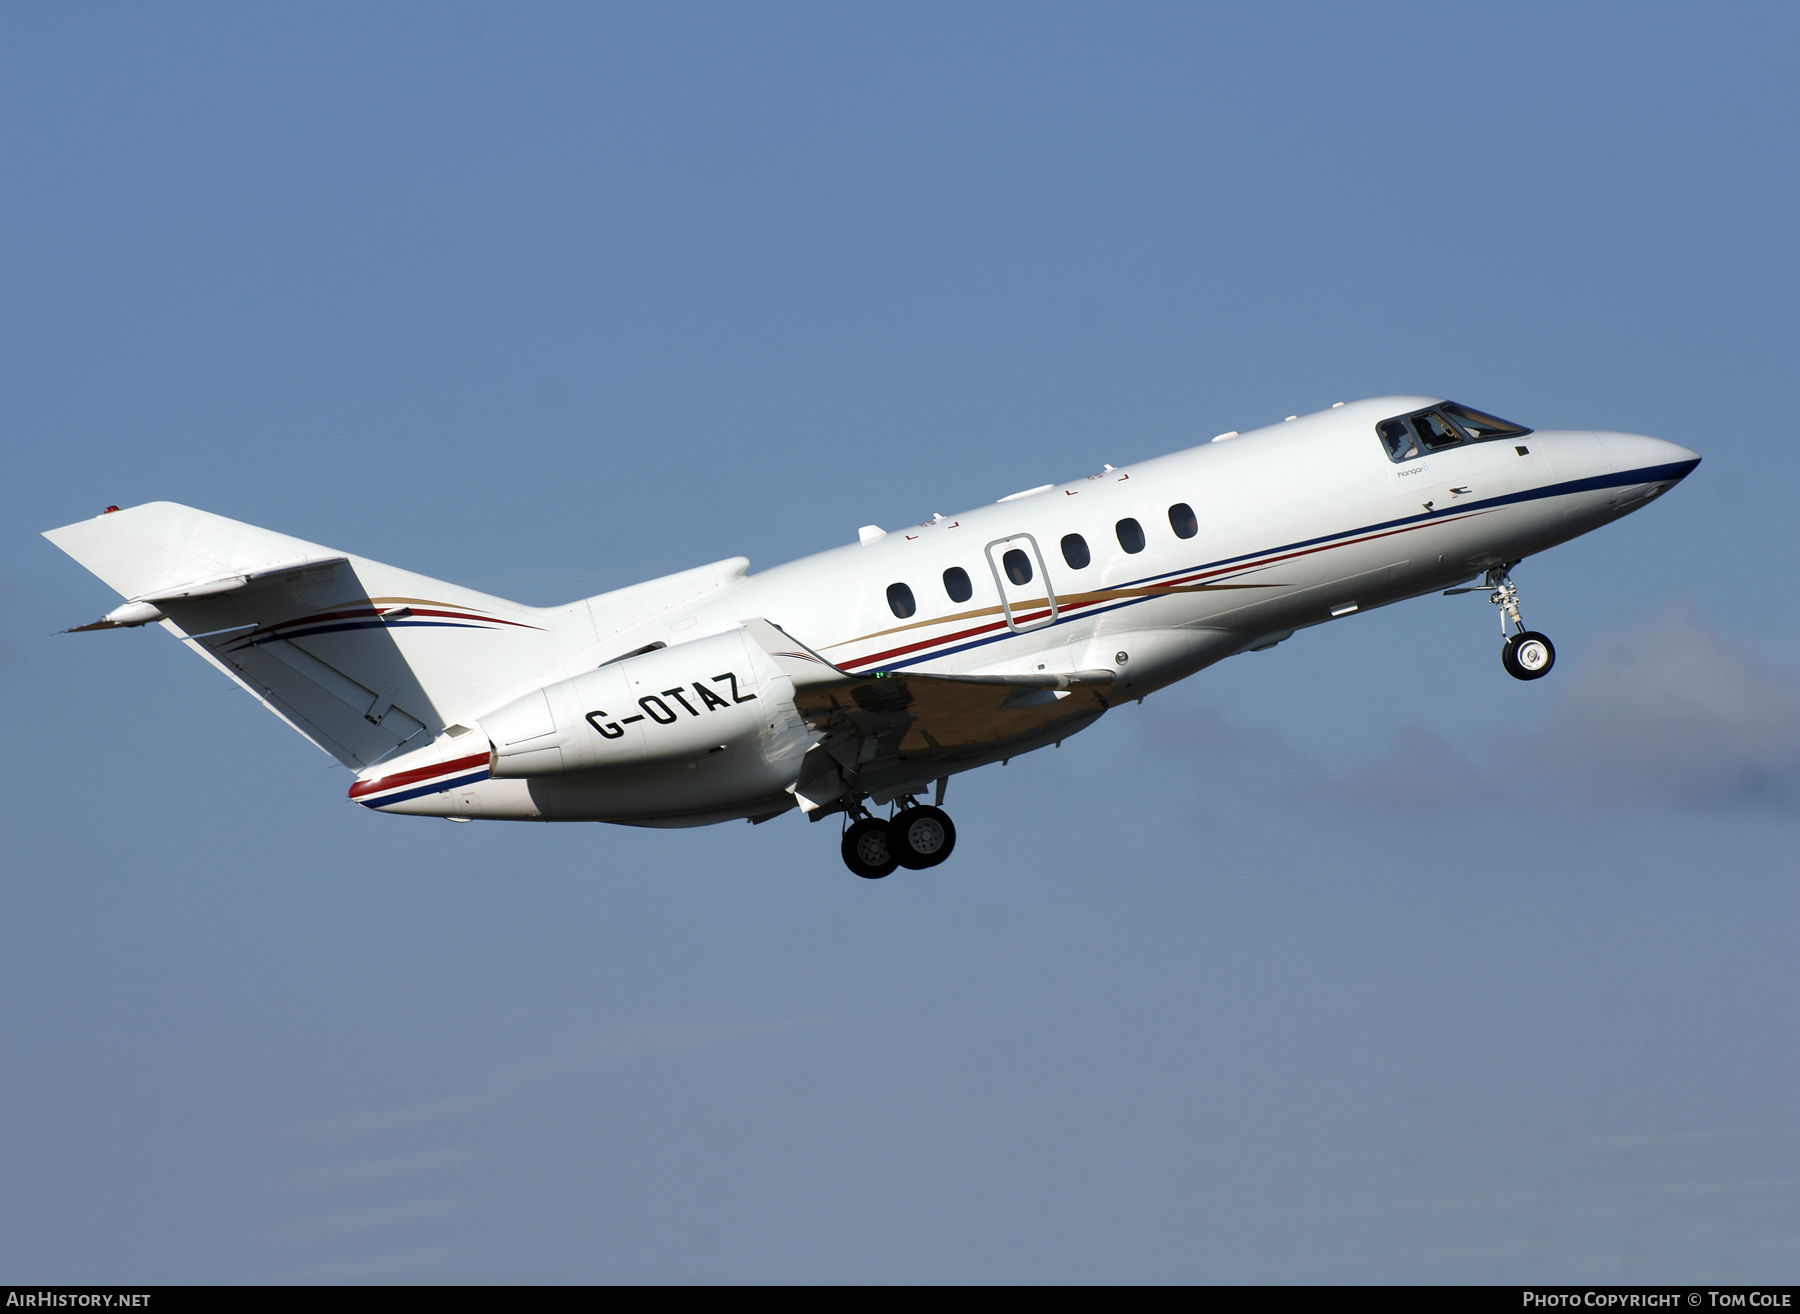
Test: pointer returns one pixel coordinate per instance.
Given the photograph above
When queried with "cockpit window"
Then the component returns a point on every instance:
(1435, 431)
(1482, 427)
(1449, 425)
(1397, 436)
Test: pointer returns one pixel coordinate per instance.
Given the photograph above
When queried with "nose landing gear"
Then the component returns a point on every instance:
(915, 837)
(1526, 654)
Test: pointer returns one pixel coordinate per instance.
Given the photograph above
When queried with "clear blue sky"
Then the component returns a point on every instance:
(1351, 960)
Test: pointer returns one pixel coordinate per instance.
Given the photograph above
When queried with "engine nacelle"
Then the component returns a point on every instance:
(673, 705)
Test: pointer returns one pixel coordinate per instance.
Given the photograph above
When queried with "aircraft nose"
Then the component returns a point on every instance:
(1657, 457)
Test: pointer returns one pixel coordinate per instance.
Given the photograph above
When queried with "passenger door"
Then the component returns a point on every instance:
(1026, 597)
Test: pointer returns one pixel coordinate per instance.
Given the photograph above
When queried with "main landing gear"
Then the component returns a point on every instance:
(915, 837)
(1526, 654)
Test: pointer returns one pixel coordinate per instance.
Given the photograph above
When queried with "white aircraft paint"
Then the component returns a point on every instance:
(863, 674)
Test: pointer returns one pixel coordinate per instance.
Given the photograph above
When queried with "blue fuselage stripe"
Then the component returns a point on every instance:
(1621, 479)
(1624, 478)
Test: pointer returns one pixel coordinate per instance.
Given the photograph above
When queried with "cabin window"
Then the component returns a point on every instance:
(1131, 535)
(1017, 566)
(1075, 551)
(1183, 520)
(900, 601)
(956, 584)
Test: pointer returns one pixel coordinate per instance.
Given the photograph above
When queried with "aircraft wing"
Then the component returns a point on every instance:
(899, 725)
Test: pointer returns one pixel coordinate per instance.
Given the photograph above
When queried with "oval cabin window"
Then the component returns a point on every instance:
(900, 601)
(1018, 566)
(1075, 551)
(1183, 521)
(1131, 535)
(956, 584)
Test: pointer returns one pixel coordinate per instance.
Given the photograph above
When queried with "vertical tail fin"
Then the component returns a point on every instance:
(359, 657)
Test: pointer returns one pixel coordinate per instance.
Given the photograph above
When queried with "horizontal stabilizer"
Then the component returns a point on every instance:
(163, 546)
(163, 603)
(287, 573)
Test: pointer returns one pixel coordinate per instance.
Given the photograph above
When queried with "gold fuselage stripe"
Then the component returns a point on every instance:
(1066, 603)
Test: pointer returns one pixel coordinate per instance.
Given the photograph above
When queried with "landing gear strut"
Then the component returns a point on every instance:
(915, 837)
(1526, 654)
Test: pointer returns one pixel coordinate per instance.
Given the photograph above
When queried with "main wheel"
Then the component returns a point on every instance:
(1528, 656)
(866, 849)
(921, 837)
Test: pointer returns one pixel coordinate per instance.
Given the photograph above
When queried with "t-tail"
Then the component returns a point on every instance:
(365, 660)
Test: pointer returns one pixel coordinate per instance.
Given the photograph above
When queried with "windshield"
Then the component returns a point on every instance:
(1482, 427)
(1435, 431)
(1450, 424)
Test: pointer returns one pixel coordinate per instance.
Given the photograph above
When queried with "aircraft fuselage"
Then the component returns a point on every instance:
(1152, 571)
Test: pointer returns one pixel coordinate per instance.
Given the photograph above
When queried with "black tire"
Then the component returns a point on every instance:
(1528, 656)
(867, 851)
(921, 837)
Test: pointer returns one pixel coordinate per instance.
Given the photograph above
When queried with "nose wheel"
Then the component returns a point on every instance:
(1526, 654)
(915, 838)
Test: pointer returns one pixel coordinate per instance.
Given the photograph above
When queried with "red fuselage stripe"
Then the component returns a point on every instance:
(412, 777)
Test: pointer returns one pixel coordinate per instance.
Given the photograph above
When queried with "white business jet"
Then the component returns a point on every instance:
(862, 677)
